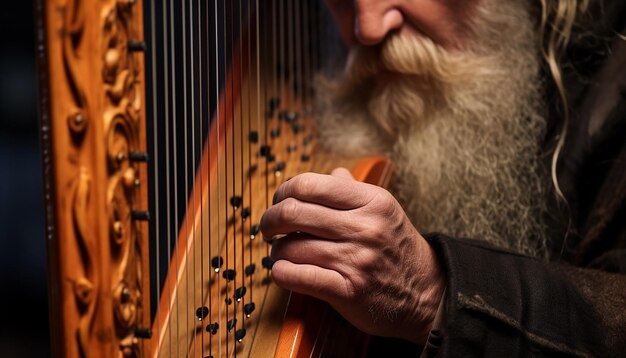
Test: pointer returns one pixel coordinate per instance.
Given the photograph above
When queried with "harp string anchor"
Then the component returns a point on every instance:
(267, 263)
(249, 271)
(217, 263)
(239, 293)
(212, 328)
(240, 334)
(136, 46)
(253, 137)
(248, 308)
(275, 133)
(279, 168)
(142, 157)
(254, 231)
(143, 333)
(229, 275)
(245, 213)
(231, 324)
(274, 104)
(202, 313)
(236, 201)
(138, 215)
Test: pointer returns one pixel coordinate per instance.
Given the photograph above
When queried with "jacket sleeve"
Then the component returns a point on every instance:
(500, 304)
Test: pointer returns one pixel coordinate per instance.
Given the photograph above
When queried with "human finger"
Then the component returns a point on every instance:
(310, 280)
(301, 248)
(342, 173)
(293, 215)
(328, 190)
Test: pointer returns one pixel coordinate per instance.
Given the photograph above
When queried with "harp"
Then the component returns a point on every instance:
(166, 126)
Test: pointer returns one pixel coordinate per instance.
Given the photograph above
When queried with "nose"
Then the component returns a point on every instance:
(374, 19)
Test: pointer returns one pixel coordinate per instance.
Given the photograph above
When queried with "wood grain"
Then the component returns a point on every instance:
(94, 114)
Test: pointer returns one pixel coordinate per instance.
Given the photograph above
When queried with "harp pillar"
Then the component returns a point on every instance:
(93, 131)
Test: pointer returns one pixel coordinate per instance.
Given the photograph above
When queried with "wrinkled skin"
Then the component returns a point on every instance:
(351, 244)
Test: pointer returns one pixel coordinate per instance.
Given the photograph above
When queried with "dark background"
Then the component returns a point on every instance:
(23, 291)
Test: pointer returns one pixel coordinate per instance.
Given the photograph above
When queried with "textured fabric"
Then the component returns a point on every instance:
(502, 304)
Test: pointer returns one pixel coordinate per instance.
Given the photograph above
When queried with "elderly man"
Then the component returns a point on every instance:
(497, 138)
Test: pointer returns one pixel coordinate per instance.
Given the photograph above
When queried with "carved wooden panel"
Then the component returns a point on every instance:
(93, 127)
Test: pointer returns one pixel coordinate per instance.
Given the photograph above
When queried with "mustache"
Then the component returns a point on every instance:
(415, 56)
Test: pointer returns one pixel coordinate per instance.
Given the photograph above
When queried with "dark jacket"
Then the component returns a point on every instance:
(503, 304)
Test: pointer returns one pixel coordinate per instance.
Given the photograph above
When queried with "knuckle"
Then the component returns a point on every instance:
(350, 291)
(369, 261)
(289, 210)
(373, 230)
(383, 204)
(354, 286)
(364, 260)
(361, 262)
(303, 184)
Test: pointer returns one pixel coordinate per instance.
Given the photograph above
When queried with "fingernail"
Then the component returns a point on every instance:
(275, 198)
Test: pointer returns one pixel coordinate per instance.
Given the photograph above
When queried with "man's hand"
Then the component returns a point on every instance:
(352, 245)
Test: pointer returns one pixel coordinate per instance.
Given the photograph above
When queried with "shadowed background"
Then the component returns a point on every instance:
(23, 290)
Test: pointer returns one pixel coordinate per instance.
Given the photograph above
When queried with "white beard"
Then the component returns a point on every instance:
(463, 128)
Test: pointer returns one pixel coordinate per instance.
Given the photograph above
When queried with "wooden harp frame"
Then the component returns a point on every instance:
(93, 120)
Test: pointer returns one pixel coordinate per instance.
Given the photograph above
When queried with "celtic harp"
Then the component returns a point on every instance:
(166, 126)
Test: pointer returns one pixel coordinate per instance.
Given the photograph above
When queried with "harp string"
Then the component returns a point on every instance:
(306, 71)
(290, 46)
(166, 80)
(241, 151)
(200, 77)
(197, 45)
(233, 131)
(282, 61)
(210, 160)
(185, 106)
(298, 49)
(156, 162)
(233, 117)
(218, 176)
(202, 171)
(260, 115)
(193, 46)
(271, 95)
(230, 37)
(256, 119)
(249, 23)
(228, 83)
(175, 160)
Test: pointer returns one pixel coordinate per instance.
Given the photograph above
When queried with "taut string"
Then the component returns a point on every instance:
(156, 165)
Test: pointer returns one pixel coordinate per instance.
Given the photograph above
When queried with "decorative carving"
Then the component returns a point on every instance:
(121, 123)
(74, 25)
(125, 303)
(84, 285)
(97, 253)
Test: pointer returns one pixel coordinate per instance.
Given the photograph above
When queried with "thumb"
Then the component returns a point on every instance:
(342, 173)
(311, 280)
